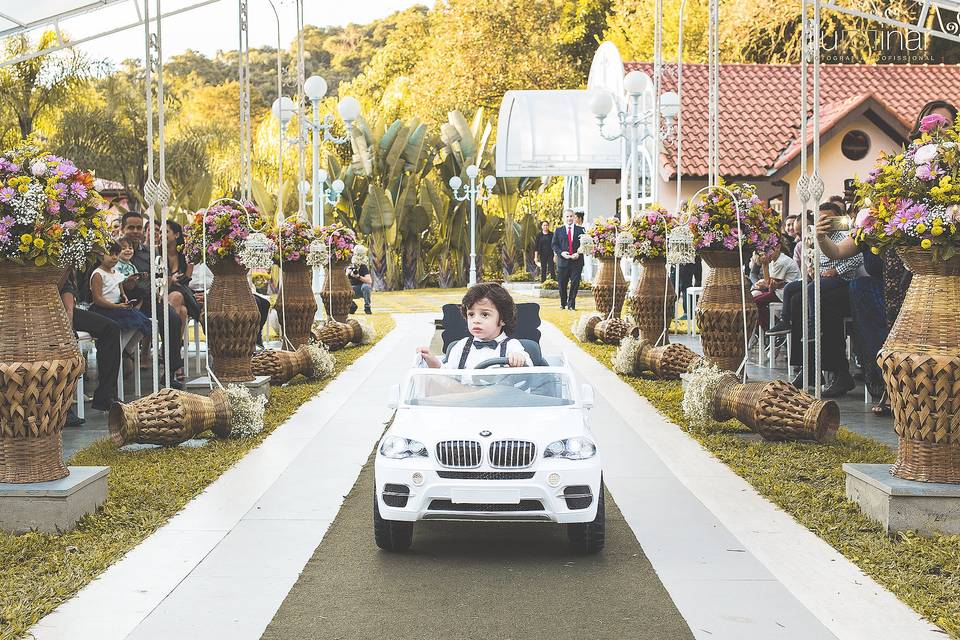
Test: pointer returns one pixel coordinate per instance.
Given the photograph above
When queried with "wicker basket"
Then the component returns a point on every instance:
(282, 366)
(234, 322)
(296, 307)
(337, 292)
(40, 363)
(609, 287)
(169, 417)
(720, 311)
(654, 290)
(776, 410)
(666, 362)
(920, 361)
(611, 330)
(335, 335)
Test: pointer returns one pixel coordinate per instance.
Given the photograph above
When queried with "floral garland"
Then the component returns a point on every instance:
(911, 198)
(339, 239)
(649, 232)
(294, 239)
(714, 220)
(49, 210)
(227, 229)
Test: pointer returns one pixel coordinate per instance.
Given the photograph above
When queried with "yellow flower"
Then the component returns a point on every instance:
(937, 230)
(40, 260)
(26, 239)
(23, 188)
(23, 248)
(38, 243)
(921, 228)
(875, 250)
(925, 243)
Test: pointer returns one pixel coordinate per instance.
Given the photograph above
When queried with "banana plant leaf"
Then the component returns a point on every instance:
(378, 212)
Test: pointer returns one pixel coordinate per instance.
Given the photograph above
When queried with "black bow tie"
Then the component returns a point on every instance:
(480, 344)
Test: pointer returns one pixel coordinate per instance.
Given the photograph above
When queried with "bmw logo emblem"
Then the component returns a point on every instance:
(485, 433)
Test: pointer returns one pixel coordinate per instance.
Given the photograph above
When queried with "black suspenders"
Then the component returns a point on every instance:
(469, 344)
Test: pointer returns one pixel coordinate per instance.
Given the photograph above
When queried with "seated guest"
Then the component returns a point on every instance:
(778, 270)
(362, 283)
(109, 298)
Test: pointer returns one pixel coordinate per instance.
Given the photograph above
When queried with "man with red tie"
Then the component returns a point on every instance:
(566, 245)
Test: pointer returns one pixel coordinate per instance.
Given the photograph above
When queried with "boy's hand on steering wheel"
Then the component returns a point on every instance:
(516, 360)
(432, 361)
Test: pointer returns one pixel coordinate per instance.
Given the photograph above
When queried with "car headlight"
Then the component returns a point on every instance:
(399, 448)
(576, 448)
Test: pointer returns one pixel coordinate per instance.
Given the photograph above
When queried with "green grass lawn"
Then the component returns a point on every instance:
(807, 481)
(146, 488)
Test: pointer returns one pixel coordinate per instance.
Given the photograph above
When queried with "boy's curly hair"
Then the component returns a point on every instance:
(500, 298)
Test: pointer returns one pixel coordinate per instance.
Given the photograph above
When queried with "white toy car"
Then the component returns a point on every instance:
(489, 444)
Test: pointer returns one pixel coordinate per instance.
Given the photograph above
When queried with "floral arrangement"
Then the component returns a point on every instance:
(361, 255)
(624, 360)
(699, 388)
(247, 419)
(322, 361)
(227, 228)
(600, 240)
(294, 239)
(713, 221)
(911, 198)
(649, 230)
(49, 210)
(582, 327)
(340, 240)
(261, 279)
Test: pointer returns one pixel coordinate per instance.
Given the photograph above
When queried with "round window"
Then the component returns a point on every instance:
(855, 145)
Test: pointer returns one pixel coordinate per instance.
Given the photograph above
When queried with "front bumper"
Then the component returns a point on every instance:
(514, 500)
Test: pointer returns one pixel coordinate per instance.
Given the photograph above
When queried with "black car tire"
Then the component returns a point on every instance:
(390, 535)
(589, 537)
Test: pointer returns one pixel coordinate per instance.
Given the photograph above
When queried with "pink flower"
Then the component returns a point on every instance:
(69, 224)
(865, 219)
(931, 122)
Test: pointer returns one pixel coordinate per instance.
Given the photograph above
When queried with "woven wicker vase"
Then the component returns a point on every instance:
(608, 293)
(233, 322)
(337, 292)
(777, 410)
(282, 366)
(611, 330)
(40, 363)
(647, 304)
(296, 307)
(921, 368)
(169, 417)
(666, 362)
(335, 335)
(720, 310)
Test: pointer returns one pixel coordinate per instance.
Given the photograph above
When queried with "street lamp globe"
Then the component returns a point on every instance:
(349, 109)
(456, 182)
(490, 182)
(321, 176)
(304, 187)
(315, 88)
(473, 171)
(670, 104)
(636, 83)
(601, 103)
(283, 109)
(337, 186)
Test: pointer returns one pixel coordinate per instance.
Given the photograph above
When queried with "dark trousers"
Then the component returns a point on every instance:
(263, 306)
(362, 290)
(834, 307)
(106, 332)
(689, 273)
(176, 332)
(547, 266)
(569, 275)
(870, 321)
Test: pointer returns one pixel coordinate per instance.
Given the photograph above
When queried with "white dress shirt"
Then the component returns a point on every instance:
(476, 356)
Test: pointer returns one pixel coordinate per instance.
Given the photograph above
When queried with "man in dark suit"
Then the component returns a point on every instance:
(544, 249)
(566, 245)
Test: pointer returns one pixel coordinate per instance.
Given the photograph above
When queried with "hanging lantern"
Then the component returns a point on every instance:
(318, 254)
(588, 246)
(680, 246)
(360, 254)
(257, 251)
(625, 247)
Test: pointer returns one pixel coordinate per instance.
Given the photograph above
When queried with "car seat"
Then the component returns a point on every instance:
(527, 330)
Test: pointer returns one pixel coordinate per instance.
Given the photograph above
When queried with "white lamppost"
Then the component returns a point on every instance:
(473, 192)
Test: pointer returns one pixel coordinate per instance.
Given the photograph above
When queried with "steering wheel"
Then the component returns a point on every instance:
(493, 362)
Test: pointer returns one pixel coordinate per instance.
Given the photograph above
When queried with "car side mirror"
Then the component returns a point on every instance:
(393, 396)
(586, 396)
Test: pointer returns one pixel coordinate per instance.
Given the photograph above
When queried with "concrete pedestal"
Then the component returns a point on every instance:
(903, 505)
(52, 506)
(259, 386)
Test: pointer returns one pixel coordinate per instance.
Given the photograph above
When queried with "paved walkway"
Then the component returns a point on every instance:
(733, 565)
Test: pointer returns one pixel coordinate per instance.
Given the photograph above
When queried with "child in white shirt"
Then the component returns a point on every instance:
(490, 314)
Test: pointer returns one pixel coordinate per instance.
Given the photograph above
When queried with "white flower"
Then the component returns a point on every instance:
(699, 388)
(587, 245)
(257, 252)
(321, 360)
(247, 418)
(38, 168)
(318, 254)
(925, 154)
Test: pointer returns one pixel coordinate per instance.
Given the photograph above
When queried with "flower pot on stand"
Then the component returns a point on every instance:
(337, 292)
(233, 322)
(609, 287)
(920, 361)
(296, 307)
(654, 290)
(39, 370)
(720, 312)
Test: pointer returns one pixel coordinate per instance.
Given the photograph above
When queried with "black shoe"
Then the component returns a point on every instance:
(842, 383)
(573, 307)
(367, 310)
(100, 407)
(563, 306)
(73, 420)
(353, 308)
(779, 329)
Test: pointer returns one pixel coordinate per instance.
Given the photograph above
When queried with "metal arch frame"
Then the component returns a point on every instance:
(925, 6)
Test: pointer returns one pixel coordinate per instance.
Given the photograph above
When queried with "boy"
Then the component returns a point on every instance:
(491, 315)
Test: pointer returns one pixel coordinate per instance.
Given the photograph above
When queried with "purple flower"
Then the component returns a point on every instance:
(873, 175)
(6, 194)
(931, 122)
(928, 172)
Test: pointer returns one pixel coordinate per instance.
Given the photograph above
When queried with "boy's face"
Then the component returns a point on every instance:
(483, 320)
(126, 252)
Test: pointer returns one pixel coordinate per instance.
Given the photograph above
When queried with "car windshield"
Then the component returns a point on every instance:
(522, 388)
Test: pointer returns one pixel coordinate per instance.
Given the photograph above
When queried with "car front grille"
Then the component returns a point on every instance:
(486, 475)
(447, 505)
(459, 453)
(512, 454)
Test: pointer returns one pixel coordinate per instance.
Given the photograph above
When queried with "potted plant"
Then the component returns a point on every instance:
(228, 236)
(654, 300)
(724, 244)
(51, 220)
(910, 205)
(296, 306)
(610, 286)
(337, 292)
